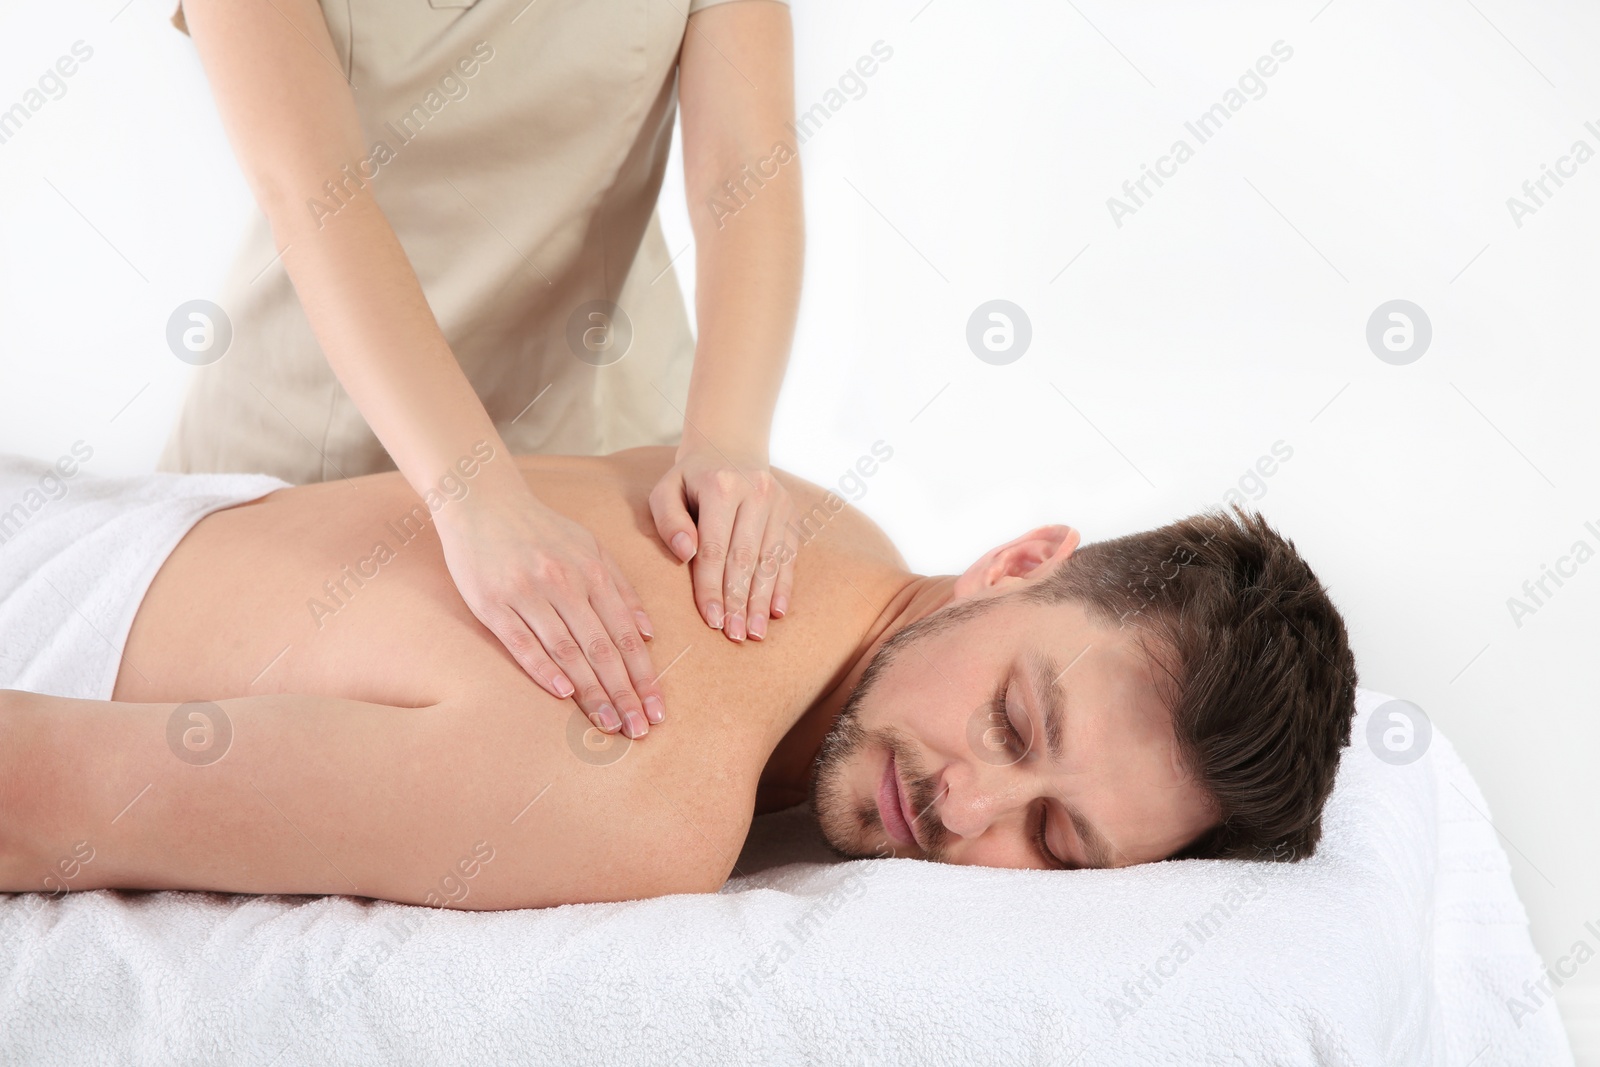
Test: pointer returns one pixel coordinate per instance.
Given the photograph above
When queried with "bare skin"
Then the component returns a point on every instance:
(385, 744)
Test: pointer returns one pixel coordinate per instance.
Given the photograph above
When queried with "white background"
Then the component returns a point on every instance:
(1227, 314)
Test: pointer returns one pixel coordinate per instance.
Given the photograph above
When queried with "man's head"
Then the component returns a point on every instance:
(1180, 692)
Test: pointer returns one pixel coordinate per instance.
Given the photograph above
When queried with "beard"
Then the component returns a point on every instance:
(846, 824)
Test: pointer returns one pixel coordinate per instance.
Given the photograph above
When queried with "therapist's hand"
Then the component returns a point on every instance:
(743, 548)
(558, 602)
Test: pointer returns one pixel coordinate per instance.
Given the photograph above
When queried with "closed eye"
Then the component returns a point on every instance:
(1000, 712)
(1041, 840)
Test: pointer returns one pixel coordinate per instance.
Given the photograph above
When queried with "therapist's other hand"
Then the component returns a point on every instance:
(558, 602)
(742, 550)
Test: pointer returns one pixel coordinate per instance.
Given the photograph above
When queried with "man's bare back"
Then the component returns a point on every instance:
(383, 741)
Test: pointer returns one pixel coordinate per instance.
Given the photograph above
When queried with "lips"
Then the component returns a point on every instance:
(892, 807)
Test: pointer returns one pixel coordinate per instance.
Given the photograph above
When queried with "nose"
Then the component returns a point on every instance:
(975, 798)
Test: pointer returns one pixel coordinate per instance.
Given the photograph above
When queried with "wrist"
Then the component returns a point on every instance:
(736, 447)
(490, 492)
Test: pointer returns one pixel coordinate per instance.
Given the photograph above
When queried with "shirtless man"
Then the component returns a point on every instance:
(1180, 692)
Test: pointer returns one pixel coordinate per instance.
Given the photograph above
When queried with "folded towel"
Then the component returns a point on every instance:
(77, 552)
(1399, 942)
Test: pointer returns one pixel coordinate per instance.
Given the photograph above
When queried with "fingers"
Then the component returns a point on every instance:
(783, 588)
(717, 510)
(555, 635)
(629, 597)
(561, 606)
(673, 521)
(617, 611)
(597, 654)
(745, 562)
(776, 558)
(528, 649)
(739, 569)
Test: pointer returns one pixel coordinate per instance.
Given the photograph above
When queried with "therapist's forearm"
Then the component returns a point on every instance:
(747, 294)
(292, 120)
(372, 320)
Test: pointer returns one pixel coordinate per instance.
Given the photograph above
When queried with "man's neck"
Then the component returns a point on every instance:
(786, 779)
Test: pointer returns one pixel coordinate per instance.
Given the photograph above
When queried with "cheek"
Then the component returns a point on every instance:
(907, 699)
(949, 728)
(1006, 850)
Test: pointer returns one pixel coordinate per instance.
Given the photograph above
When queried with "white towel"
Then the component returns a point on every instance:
(1400, 942)
(77, 552)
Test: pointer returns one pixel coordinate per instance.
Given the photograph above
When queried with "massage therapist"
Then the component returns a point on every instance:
(459, 245)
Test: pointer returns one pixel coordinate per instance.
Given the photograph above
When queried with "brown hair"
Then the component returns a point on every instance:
(1257, 661)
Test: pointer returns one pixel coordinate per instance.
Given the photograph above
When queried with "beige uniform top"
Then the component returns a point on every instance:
(517, 148)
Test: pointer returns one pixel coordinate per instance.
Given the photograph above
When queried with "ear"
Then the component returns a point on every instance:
(1032, 555)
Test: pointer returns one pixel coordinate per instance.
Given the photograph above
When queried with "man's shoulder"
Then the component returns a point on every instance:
(830, 517)
(826, 516)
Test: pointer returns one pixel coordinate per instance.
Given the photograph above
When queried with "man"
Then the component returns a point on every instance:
(1184, 691)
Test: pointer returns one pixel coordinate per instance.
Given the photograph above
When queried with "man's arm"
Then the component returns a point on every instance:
(455, 804)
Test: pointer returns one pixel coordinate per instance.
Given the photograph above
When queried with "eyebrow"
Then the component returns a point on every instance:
(1045, 673)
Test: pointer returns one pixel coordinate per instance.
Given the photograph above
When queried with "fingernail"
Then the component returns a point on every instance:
(644, 624)
(780, 604)
(682, 546)
(633, 724)
(563, 687)
(654, 709)
(758, 626)
(714, 614)
(735, 627)
(608, 718)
